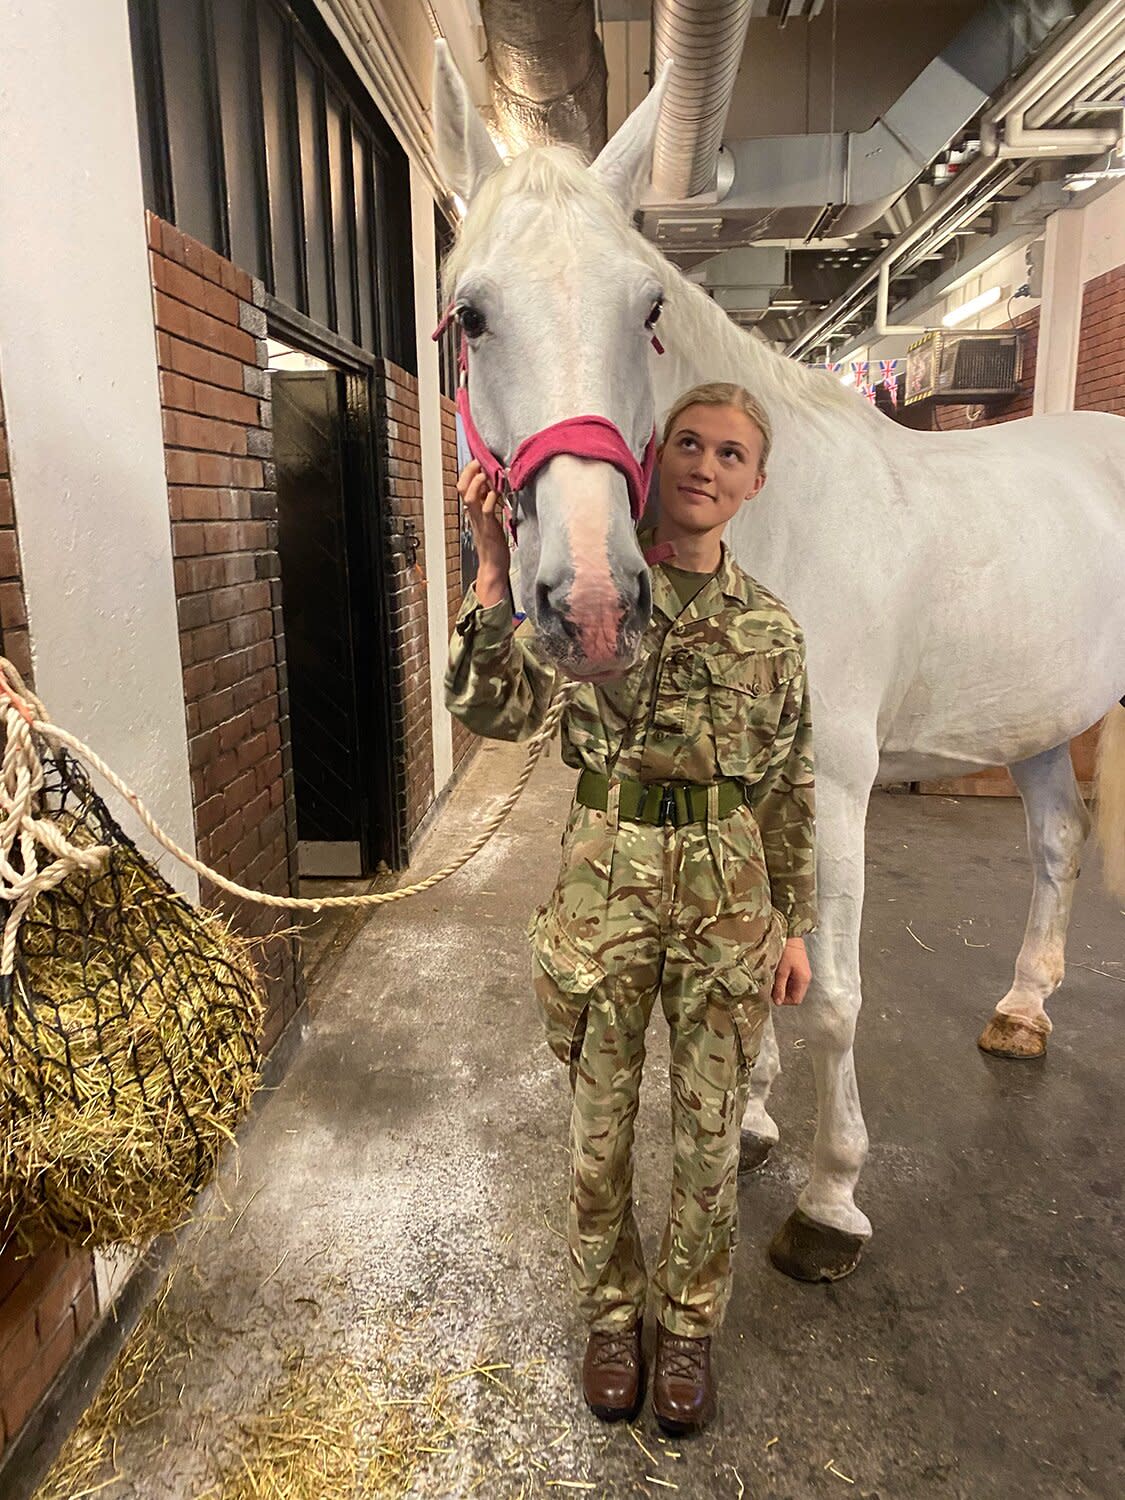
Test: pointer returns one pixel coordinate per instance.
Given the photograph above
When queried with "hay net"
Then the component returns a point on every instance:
(130, 1023)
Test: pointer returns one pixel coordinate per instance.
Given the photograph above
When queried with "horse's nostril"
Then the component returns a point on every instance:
(643, 606)
(552, 601)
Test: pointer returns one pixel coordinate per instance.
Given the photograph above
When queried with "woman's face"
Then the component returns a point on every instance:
(708, 467)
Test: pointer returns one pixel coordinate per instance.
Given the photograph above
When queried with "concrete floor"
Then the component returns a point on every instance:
(400, 1196)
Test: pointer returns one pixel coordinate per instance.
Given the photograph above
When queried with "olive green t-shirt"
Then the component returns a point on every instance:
(686, 584)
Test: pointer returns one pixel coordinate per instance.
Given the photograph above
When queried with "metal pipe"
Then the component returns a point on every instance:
(1071, 47)
(1078, 79)
(1033, 143)
(935, 236)
(1075, 44)
(705, 37)
(548, 72)
(963, 186)
(882, 307)
(861, 174)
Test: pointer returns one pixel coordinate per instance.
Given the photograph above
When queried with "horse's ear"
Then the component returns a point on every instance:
(465, 150)
(624, 162)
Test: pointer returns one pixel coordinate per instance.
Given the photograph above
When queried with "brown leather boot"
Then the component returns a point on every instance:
(683, 1390)
(613, 1373)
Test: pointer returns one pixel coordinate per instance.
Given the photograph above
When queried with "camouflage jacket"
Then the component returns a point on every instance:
(718, 690)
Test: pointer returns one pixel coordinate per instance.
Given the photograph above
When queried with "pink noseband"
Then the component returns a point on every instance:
(582, 437)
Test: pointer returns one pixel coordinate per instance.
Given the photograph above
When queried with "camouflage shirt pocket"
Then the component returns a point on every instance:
(747, 698)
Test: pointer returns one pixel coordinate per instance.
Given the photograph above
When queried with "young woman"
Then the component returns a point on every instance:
(687, 873)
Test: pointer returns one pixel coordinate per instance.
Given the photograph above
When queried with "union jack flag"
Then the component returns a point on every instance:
(833, 369)
(888, 377)
(859, 370)
(868, 391)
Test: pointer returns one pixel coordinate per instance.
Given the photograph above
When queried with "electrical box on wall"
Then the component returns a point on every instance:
(1035, 255)
(963, 367)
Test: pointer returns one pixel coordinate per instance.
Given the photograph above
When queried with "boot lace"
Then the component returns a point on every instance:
(614, 1348)
(683, 1358)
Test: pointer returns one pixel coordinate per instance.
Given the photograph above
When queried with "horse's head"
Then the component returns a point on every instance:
(557, 303)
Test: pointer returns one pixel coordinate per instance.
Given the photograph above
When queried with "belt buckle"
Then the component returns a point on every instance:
(667, 812)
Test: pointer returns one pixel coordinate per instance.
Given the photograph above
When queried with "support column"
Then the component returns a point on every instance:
(1060, 316)
(433, 498)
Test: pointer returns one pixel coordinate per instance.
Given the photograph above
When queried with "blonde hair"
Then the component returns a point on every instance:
(723, 393)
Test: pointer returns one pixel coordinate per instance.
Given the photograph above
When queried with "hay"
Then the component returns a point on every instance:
(140, 1385)
(129, 1044)
(324, 1433)
(333, 1424)
(326, 1430)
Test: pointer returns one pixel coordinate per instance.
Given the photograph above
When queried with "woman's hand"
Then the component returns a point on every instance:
(793, 974)
(486, 520)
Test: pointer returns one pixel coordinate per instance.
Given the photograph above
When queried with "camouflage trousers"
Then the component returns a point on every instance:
(641, 911)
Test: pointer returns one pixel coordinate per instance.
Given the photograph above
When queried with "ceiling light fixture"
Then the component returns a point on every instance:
(974, 305)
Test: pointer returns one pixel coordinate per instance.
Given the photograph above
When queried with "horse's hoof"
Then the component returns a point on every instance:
(1010, 1036)
(809, 1251)
(752, 1151)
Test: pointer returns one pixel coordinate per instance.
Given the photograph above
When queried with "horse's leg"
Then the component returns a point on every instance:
(759, 1132)
(1057, 826)
(822, 1239)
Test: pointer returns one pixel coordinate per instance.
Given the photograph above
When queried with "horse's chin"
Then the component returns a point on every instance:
(560, 649)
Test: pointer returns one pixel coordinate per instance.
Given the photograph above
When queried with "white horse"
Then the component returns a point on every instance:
(962, 595)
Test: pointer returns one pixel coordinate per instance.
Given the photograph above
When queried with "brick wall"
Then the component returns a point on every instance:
(210, 334)
(400, 441)
(1100, 384)
(47, 1306)
(956, 418)
(14, 642)
(463, 739)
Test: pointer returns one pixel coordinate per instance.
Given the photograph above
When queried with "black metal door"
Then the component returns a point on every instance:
(338, 827)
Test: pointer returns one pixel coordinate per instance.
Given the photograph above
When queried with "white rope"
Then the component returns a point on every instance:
(21, 781)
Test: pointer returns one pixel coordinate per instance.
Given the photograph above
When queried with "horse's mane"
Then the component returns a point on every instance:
(559, 178)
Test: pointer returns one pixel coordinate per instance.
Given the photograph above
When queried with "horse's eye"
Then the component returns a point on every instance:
(471, 321)
(654, 315)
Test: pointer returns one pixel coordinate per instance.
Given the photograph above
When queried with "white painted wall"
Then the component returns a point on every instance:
(80, 389)
(1103, 234)
(433, 500)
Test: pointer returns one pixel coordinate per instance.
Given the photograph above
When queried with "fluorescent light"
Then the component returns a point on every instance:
(459, 203)
(1079, 184)
(972, 307)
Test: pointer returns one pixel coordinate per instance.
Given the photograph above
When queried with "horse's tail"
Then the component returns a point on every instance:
(1109, 791)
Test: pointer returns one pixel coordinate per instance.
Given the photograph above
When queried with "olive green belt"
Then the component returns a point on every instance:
(674, 802)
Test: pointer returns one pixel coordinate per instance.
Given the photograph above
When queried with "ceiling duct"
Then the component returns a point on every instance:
(978, 184)
(548, 72)
(845, 181)
(704, 38)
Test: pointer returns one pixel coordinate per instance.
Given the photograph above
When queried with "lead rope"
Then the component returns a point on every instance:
(21, 779)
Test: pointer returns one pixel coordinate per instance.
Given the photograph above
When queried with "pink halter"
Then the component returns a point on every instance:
(582, 437)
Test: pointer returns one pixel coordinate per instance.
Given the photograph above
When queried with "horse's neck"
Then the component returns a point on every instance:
(831, 500)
